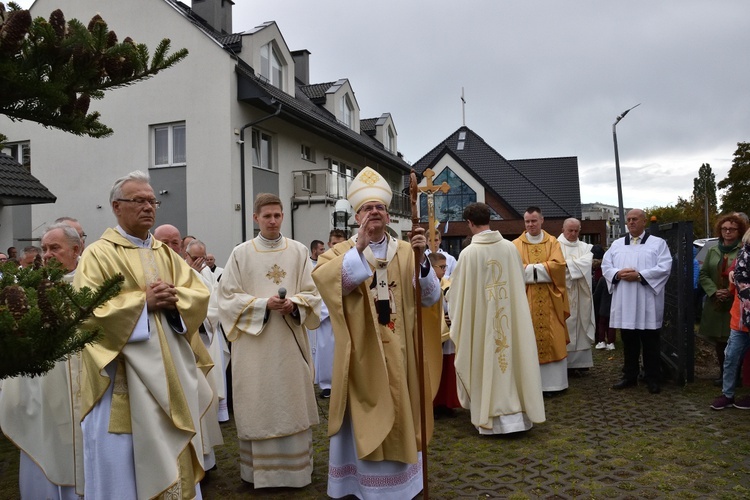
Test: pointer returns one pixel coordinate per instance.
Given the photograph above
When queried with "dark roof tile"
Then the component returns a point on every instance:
(18, 186)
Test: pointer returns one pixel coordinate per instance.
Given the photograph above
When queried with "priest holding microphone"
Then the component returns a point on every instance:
(266, 300)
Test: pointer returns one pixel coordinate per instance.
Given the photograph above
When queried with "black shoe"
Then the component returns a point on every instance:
(325, 393)
(624, 383)
(654, 388)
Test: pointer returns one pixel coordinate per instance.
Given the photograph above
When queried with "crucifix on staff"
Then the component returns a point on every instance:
(430, 189)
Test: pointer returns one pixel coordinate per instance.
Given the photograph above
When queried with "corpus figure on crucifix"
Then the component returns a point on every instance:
(433, 236)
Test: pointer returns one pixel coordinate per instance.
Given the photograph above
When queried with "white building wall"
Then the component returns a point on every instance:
(200, 90)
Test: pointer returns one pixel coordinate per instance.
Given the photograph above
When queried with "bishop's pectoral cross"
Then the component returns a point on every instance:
(430, 189)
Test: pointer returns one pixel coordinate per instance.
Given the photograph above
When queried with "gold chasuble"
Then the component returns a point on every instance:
(159, 395)
(548, 301)
(375, 375)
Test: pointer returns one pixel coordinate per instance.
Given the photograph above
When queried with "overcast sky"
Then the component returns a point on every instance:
(543, 78)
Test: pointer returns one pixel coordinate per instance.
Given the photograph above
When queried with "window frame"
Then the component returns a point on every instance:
(347, 111)
(272, 66)
(172, 158)
(390, 139)
(307, 153)
(261, 145)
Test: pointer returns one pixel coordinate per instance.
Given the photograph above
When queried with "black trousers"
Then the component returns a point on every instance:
(650, 342)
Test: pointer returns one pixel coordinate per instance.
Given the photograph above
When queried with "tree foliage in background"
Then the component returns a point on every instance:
(705, 184)
(683, 210)
(42, 317)
(50, 70)
(737, 183)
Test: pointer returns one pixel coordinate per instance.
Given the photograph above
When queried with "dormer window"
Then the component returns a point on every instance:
(390, 140)
(347, 111)
(271, 66)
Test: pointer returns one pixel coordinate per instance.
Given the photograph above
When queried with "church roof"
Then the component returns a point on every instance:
(18, 186)
(549, 183)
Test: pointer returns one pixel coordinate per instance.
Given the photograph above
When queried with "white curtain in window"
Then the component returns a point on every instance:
(178, 144)
(161, 146)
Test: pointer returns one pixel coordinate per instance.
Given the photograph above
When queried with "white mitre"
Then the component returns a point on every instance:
(369, 186)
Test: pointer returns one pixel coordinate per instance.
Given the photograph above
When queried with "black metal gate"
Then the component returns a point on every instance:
(677, 334)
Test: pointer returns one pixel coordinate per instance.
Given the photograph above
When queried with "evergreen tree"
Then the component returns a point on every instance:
(52, 69)
(737, 183)
(704, 186)
(42, 317)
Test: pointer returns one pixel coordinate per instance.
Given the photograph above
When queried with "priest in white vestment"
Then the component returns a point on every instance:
(321, 338)
(497, 364)
(374, 418)
(266, 300)
(141, 390)
(581, 322)
(213, 340)
(41, 415)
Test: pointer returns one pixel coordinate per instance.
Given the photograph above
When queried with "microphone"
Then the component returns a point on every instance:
(282, 293)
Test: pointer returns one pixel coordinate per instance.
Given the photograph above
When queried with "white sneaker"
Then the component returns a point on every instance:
(600, 345)
(610, 347)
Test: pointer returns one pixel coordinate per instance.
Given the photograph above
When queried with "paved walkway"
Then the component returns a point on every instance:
(596, 443)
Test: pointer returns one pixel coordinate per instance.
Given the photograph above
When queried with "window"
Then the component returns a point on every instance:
(169, 145)
(450, 206)
(390, 140)
(262, 150)
(307, 153)
(19, 151)
(341, 176)
(461, 141)
(308, 182)
(271, 66)
(347, 111)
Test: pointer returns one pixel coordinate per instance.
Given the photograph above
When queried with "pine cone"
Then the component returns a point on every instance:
(14, 30)
(57, 20)
(13, 297)
(82, 104)
(113, 66)
(111, 39)
(94, 21)
(49, 318)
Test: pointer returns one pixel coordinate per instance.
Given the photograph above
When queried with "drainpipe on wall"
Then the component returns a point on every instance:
(241, 142)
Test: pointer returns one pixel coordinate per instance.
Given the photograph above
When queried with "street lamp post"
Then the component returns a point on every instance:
(617, 168)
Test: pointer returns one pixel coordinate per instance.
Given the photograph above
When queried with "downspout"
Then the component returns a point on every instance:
(241, 142)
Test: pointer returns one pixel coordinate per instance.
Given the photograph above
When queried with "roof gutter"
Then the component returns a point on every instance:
(241, 142)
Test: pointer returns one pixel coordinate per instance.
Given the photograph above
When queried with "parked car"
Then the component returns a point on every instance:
(703, 245)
